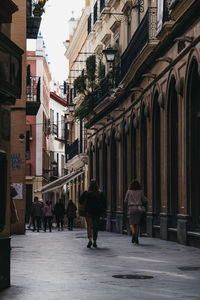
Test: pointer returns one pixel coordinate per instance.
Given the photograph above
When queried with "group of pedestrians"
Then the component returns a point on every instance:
(93, 204)
(43, 214)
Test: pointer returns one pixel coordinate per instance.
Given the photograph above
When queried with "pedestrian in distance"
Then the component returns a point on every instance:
(59, 211)
(135, 202)
(95, 205)
(36, 214)
(48, 214)
(71, 214)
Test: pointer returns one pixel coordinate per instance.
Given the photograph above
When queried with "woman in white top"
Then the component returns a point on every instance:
(135, 201)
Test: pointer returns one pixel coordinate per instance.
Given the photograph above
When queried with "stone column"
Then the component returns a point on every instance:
(183, 223)
(164, 220)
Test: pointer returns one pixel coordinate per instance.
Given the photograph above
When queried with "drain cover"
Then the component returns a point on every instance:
(189, 268)
(132, 276)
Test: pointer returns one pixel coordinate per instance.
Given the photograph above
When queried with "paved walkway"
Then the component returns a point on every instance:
(58, 266)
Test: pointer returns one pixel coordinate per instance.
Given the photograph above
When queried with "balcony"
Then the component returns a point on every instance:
(32, 95)
(32, 22)
(145, 33)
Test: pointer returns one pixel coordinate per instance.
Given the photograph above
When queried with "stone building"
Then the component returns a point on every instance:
(11, 97)
(146, 121)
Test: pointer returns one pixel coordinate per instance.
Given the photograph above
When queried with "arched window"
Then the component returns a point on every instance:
(193, 144)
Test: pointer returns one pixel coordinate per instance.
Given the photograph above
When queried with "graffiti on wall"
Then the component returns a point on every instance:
(16, 161)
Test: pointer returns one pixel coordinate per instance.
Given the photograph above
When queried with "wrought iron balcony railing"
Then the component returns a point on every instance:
(55, 129)
(145, 33)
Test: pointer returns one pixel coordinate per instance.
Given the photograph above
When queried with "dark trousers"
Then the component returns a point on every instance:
(37, 220)
(60, 221)
(49, 221)
(70, 223)
(92, 227)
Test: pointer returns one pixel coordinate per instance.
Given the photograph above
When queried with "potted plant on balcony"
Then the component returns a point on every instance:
(38, 7)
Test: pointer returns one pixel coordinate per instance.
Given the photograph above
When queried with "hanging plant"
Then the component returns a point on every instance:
(101, 71)
(80, 84)
(85, 108)
(91, 67)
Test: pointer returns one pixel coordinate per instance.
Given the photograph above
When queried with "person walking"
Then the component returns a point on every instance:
(36, 214)
(59, 211)
(135, 201)
(71, 214)
(95, 205)
(48, 214)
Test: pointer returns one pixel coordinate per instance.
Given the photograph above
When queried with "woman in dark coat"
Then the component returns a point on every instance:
(71, 214)
(136, 203)
(94, 206)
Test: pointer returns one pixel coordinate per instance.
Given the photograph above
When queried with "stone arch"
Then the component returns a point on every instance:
(193, 140)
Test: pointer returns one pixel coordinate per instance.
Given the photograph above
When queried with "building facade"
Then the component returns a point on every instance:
(37, 121)
(11, 93)
(145, 116)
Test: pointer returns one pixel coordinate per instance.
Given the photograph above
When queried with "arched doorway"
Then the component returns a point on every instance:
(125, 175)
(113, 173)
(193, 142)
(156, 159)
(172, 137)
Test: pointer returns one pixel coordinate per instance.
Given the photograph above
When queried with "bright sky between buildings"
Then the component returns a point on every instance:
(55, 30)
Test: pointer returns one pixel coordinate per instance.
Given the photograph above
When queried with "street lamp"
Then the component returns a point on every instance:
(71, 107)
(109, 54)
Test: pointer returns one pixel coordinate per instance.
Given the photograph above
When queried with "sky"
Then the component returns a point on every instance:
(55, 30)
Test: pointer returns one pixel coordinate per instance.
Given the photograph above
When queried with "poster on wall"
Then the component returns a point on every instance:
(19, 189)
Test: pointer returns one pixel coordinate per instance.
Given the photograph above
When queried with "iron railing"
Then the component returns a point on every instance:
(55, 129)
(144, 34)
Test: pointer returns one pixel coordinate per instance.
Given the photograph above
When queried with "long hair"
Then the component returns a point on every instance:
(135, 185)
(93, 187)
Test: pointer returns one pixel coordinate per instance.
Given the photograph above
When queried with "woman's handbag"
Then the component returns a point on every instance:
(141, 208)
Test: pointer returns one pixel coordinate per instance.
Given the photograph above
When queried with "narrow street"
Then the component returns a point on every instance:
(59, 266)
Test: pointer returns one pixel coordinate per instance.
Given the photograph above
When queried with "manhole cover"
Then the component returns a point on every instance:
(189, 268)
(132, 276)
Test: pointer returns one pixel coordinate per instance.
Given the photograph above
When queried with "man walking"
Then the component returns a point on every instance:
(36, 213)
(59, 211)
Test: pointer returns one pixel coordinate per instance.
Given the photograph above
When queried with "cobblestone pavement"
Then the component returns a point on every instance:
(59, 266)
